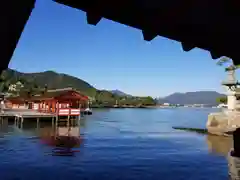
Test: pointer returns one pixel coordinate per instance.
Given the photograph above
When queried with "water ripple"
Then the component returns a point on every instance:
(118, 144)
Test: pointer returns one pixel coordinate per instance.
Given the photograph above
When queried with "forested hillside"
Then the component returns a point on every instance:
(53, 80)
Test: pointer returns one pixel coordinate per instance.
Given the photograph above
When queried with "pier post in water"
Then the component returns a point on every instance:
(52, 121)
(37, 123)
(57, 115)
(21, 125)
(79, 117)
(15, 120)
(18, 122)
(68, 120)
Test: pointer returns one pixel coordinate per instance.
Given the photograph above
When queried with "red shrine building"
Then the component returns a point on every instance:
(62, 102)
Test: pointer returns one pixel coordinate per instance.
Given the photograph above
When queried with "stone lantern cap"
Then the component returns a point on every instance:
(230, 83)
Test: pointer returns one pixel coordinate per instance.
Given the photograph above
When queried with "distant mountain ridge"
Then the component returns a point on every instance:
(119, 93)
(198, 97)
(55, 80)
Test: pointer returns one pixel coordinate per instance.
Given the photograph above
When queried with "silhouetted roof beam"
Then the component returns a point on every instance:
(13, 17)
(93, 18)
(212, 25)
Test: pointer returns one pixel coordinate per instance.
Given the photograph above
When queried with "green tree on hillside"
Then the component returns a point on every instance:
(45, 89)
(222, 100)
(4, 83)
(229, 67)
(228, 63)
(147, 101)
(105, 98)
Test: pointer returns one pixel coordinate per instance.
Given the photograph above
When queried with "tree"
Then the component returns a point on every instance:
(4, 87)
(45, 89)
(222, 100)
(230, 68)
(229, 62)
(4, 83)
(147, 101)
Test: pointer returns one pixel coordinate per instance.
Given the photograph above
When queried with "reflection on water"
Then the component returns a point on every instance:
(223, 146)
(219, 144)
(4, 128)
(115, 144)
(233, 167)
(61, 136)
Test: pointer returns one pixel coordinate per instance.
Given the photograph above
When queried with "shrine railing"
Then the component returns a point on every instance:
(63, 111)
(69, 112)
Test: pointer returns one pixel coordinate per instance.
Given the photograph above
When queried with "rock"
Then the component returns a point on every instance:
(222, 123)
(217, 123)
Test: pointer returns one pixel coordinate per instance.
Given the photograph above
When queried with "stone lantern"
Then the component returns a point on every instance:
(231, 84)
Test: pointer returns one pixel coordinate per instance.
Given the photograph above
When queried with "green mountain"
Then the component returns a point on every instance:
(52, 79)
(33, 82)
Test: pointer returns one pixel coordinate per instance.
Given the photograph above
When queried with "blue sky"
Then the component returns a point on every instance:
(111, 55)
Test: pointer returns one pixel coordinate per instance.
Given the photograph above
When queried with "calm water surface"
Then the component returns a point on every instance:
(119, 144)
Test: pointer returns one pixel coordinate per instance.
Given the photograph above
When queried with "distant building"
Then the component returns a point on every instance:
(16, 87)
(166, 104)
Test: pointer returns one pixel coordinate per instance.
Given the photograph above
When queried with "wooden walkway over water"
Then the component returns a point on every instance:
(25, 113)
(19, 115)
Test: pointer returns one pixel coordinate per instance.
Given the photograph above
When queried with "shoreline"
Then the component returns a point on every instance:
(143, 107)
(123, 107)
